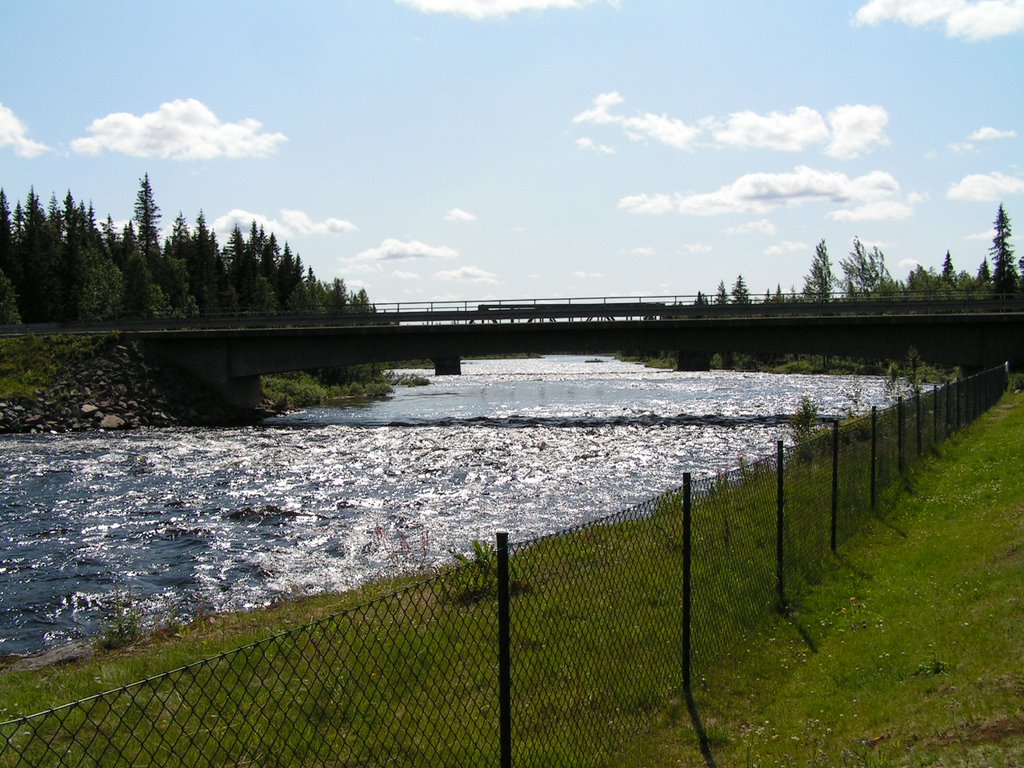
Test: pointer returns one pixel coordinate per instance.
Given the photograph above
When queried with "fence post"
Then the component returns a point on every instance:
(687, 584)
(935, 416)
(780, 525)
(899, 434)
(504, 656)
(835, 482)
(874, 456)
(917, 422)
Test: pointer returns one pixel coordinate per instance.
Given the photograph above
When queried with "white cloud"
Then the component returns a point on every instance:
(484, 9)
(762, 192)
(970, 19)
(401, 275)
(14, 133)
(786, 246)
(185, 129)
(788, 133)
(909, 265)
(396, 250)
(591, 146)
(653, 204)
(850, 131)
(457, 214)
(667, 130)
(986, 235)
(761, 226)
(697, 248)
(880, 210)
(981, 187)
(991, 134)
(600, 113)
(292, 223)
(468, 275)
(641, 251)
(856, 129)
(589, 275)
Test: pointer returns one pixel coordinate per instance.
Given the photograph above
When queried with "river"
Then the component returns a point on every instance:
(188, 520)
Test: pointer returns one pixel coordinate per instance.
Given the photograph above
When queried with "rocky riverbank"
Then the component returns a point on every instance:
(120, 389)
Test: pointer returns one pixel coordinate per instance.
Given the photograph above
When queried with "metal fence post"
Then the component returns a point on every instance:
(899, 435)
(935, 415)
(874, 457)
(504, 656)
(917, 422)
(835, 483)
(687, 584)
(780, 526)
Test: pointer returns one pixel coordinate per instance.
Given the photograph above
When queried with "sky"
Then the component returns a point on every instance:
(431, 150)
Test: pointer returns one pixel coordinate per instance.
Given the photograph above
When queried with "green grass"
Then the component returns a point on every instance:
(29, 363)
(909, 653)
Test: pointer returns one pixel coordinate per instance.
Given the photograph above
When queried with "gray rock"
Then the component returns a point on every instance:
(110, 421)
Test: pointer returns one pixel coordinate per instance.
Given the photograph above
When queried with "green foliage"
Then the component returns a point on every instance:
(28, 363)
(303, 389)
(123, 624)
(805, 421)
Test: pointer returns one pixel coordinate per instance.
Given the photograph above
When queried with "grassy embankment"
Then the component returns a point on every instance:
(30, 363)
(915, 634)
(910, 654)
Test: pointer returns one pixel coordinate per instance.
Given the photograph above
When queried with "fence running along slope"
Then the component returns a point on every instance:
(554, 651)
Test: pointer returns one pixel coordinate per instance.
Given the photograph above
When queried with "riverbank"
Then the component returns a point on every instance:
(910, 653)
(69, 384)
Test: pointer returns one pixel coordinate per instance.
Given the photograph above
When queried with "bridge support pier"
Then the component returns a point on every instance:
(447, 366)
(693, 361)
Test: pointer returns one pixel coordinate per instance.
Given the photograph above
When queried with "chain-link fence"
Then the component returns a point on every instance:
(554, 651)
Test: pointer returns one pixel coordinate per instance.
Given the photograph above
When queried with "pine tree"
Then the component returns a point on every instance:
(948, 273)
(740, 294)
(1004, 270)
(721, 295)
(147, 221)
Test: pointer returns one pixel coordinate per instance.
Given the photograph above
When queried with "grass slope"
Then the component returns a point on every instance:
(911, 653)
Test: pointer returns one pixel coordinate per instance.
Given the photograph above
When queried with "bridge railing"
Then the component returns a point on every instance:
(559, 309)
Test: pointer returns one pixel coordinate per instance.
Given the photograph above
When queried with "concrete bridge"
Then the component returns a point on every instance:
(232, 353)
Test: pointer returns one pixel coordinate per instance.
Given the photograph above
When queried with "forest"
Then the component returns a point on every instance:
(57, 264)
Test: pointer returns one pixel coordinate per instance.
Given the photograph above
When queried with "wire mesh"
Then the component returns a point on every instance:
(406, 679)
(596, 634)
(734, 563)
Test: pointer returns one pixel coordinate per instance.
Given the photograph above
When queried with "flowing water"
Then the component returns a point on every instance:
(187, 520)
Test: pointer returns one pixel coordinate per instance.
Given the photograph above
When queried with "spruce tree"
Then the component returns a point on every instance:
(1004, 270)
(740, 293)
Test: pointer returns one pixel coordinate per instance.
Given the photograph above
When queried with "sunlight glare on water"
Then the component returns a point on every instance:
(221, 519)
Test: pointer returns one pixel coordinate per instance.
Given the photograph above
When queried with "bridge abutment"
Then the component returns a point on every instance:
(447, 366)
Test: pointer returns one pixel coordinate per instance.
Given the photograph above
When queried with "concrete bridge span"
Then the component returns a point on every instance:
(233, 359)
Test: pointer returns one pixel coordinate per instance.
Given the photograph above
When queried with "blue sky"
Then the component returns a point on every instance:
(476, 149)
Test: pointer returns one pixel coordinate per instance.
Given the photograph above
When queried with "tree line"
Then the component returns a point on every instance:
(865, 275)
(57, 264)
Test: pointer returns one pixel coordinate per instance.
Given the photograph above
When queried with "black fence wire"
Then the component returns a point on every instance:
(554, 651)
